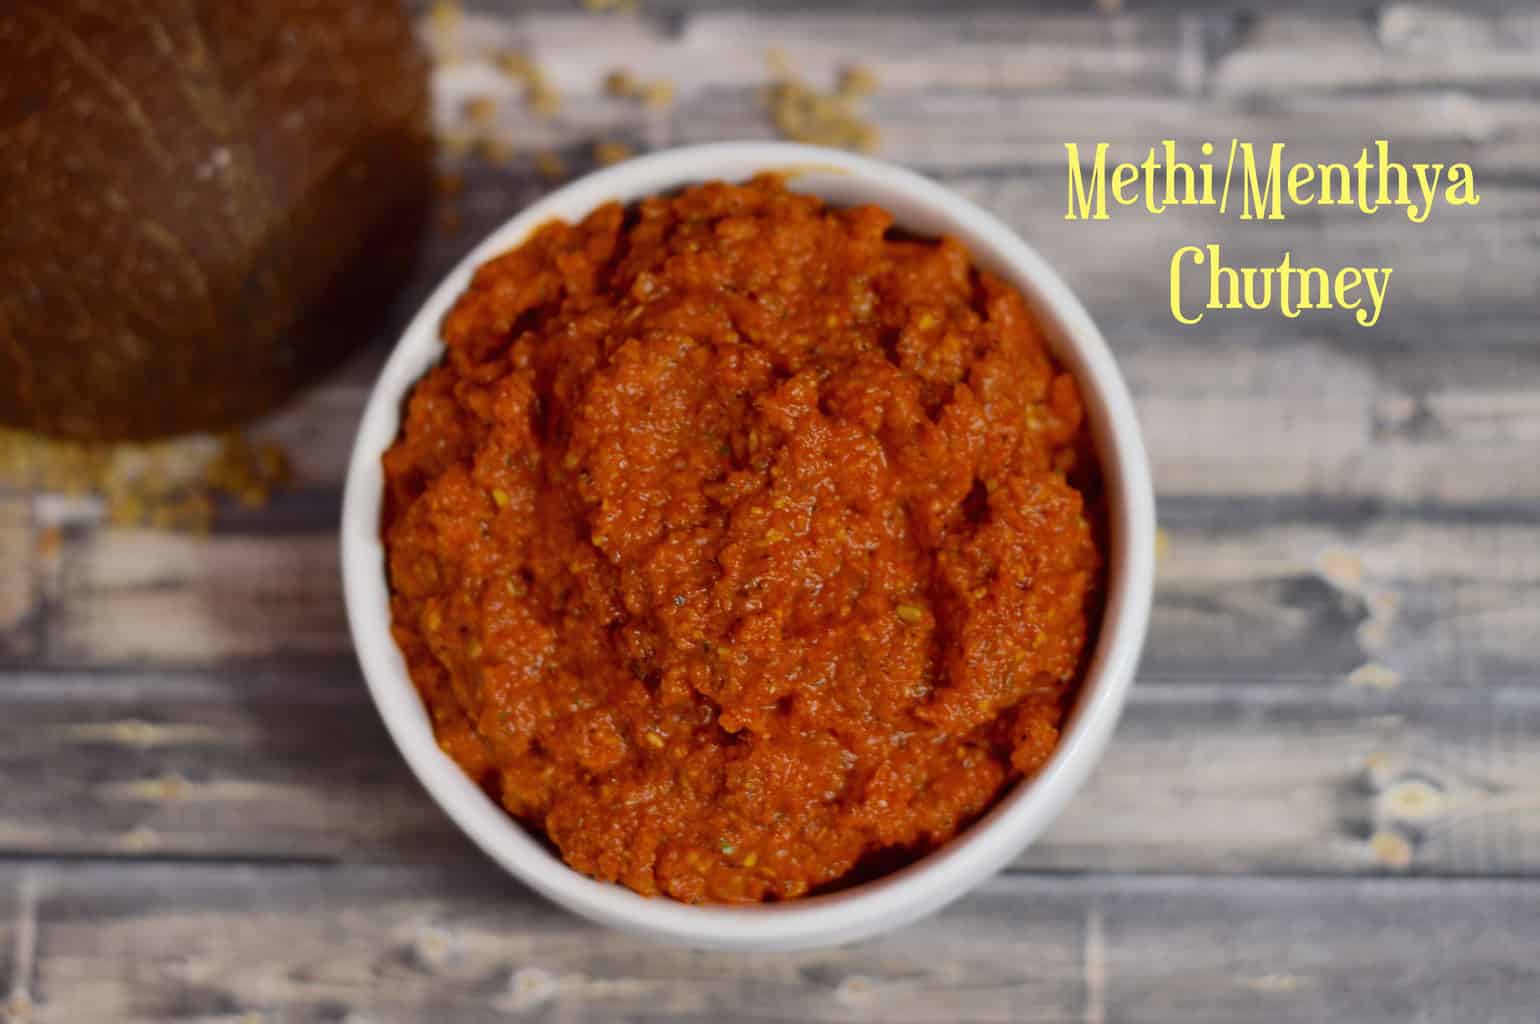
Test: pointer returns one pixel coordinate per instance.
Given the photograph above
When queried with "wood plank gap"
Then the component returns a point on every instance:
(18, 1007)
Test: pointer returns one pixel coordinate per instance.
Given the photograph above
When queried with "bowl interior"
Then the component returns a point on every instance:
(920, 206)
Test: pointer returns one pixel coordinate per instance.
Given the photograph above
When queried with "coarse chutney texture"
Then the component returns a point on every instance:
(742, 546)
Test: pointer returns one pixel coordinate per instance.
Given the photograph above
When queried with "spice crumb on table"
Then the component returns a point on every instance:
(168, 485)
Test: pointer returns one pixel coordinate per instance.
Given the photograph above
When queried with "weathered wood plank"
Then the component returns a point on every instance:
(468, 945)
(1009, 134)
(18, 939)
(1242, 415)
(716, 50)
(1403, 45)
(1192, 951)
(1403, 427)
(1002, 143)
(449, 943)
(1220, 781)
(1226, 413)
(19, 597)
(1340, 504)
(292, 764)
(142, 594)
(1320, 600)
(1179, 45)
(1109, 9)
(998, 118)
(282, 761)
(1008, 88)
(1351, 522)
(1262, 589)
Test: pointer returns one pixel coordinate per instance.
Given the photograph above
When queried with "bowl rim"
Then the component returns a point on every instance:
(1020, 814)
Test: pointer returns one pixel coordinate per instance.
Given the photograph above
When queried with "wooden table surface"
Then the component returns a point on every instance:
(1323, 801)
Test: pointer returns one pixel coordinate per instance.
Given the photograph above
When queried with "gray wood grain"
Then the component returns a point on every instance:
(1320, 803)
(451, 943)
(1252, 590)
(672, 11)
(1352, 518)
(287, 761)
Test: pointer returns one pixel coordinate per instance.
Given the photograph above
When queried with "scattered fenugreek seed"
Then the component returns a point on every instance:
(550, 166)
(445, 15)
(805, 114)
(544, 100)
(480, 110)
(515, 65)
(609, 152)
(539, 95)
(857, 81)
(621, 85)
(658, 95)
(456, 145)
(495, 151)
(169, 484)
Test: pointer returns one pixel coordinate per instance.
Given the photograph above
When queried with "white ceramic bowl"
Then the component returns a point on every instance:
(899, 898)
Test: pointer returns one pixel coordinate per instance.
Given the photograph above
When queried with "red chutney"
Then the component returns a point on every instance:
(741, 545)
